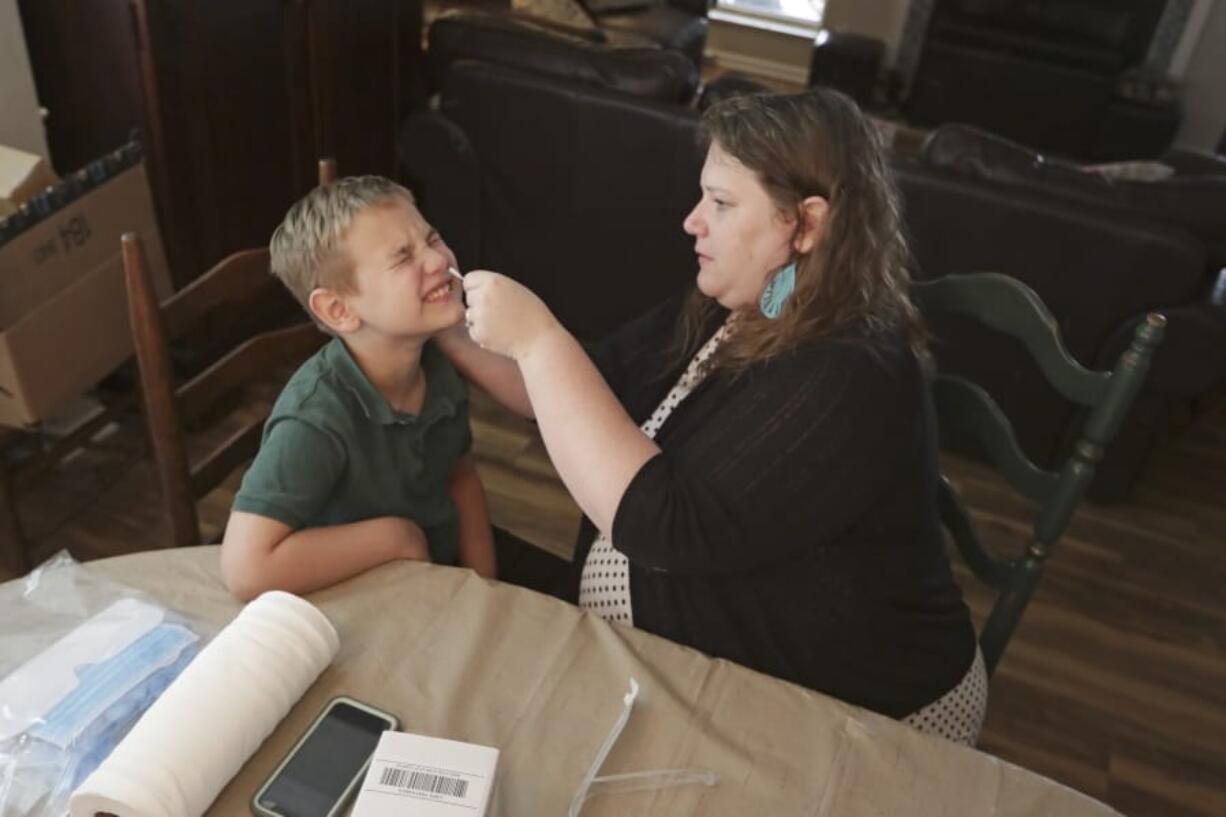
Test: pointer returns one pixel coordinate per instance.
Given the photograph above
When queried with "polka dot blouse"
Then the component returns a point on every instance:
(604, 586)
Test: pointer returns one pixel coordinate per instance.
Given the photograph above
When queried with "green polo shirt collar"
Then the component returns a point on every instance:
(443, 387)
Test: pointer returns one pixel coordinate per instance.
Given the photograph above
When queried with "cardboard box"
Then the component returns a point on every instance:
(63, 302)
(21, 176)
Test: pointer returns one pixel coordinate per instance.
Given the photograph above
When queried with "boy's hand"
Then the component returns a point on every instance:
(407, 539)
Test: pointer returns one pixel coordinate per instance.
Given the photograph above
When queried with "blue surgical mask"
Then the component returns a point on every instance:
(103, 684)
(46, 763)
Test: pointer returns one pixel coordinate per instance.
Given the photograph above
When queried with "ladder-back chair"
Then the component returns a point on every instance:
(241, 281)
(1009, 306)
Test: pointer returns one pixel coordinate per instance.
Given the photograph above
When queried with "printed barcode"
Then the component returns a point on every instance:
(423, 781)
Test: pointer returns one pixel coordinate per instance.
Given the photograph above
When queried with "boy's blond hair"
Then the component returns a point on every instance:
(305, 249)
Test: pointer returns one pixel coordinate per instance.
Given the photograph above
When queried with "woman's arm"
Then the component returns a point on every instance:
(593, 443)
(494, 373)
(786, 462)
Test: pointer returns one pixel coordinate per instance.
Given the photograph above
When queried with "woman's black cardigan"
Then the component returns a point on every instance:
(790, 522)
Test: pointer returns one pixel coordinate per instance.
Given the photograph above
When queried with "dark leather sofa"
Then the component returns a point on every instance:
(1192, 199)
(570, 166)
(567, 164)
(1100, 254)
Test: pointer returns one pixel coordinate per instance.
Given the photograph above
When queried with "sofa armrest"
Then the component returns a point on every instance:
(438, 164)
(1189, 162)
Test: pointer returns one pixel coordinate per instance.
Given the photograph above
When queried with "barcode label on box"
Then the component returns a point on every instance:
(436, 789)
(427, 777)
(424, 781)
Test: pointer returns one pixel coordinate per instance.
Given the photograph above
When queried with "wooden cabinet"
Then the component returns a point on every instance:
(234, 99)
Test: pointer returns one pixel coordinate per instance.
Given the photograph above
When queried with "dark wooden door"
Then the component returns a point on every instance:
(86, 74)
(228, 110)
(235, 99)
(365, 76)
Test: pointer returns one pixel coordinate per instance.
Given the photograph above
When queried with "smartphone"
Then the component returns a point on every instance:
(326, 765)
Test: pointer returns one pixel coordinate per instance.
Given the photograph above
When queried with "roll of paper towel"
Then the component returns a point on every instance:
(206, 725)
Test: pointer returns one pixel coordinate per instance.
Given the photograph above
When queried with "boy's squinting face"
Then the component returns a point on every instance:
(401, 285)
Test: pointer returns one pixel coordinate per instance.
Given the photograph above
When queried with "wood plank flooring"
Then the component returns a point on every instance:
(1115, 683)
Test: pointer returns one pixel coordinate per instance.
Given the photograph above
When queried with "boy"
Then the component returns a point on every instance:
(365, 456)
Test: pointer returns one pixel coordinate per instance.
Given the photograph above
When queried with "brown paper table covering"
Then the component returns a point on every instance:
(459, 657)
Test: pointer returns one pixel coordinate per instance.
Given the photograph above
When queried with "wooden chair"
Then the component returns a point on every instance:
(241, 281)
(327, 171)
(1009, 306)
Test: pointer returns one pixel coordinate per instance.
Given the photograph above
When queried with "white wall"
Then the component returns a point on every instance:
(883, 19)
(1204, 84)
(21, 124)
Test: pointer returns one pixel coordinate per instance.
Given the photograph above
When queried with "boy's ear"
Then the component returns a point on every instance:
(813, 213)
(332, 310)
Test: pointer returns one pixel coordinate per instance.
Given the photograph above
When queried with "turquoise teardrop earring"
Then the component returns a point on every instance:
(777, 291)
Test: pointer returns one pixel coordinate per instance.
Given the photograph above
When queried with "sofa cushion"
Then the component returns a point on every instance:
(626, 64)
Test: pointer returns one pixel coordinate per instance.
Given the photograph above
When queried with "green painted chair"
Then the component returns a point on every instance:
(1009, 306)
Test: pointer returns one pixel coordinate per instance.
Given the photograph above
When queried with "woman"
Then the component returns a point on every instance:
(757, 464)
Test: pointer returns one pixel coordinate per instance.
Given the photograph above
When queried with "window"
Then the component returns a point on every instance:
(804, 12)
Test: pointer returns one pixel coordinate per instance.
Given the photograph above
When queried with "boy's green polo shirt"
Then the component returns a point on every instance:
(335, 451)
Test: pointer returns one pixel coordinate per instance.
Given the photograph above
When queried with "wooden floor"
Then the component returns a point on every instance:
(1115, 684)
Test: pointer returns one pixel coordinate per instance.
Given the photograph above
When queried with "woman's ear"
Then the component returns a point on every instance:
(331, 309)
(813, 212)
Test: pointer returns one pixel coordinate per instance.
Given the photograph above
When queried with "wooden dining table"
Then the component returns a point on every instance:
(460, 657)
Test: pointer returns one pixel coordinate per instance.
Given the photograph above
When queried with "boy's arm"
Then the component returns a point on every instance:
(259, 553)
(476, 538)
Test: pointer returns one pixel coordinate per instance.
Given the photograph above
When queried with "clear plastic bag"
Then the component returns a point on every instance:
(594, 784)
(81, 658)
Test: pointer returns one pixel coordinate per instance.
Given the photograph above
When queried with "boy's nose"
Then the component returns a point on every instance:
(437, 262)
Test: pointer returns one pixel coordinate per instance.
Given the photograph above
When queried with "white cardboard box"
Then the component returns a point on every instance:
(418, 776)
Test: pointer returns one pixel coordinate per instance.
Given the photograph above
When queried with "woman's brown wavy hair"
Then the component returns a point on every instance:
(817, 143)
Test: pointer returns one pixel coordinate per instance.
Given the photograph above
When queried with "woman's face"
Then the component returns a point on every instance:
(740, 235)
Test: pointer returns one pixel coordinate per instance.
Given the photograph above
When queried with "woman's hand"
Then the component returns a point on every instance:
(504, 316)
